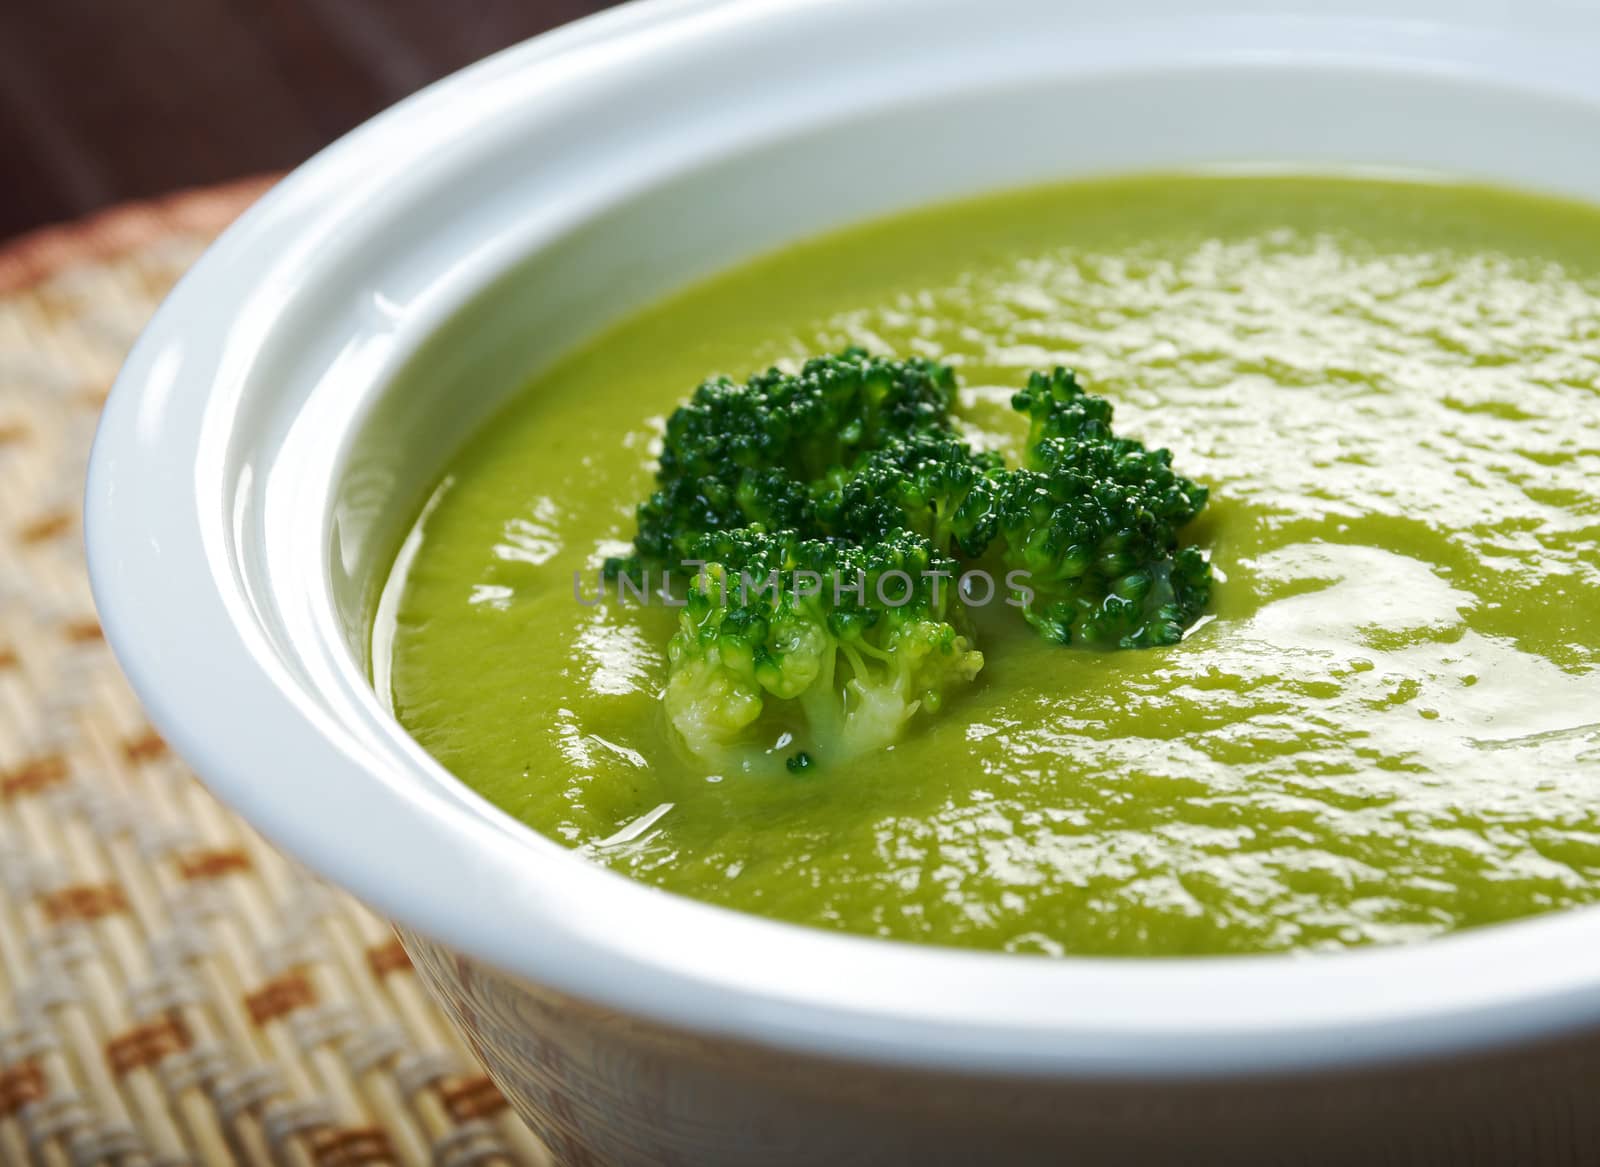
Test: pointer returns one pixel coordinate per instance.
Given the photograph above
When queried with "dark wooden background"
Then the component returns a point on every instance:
(107, 100)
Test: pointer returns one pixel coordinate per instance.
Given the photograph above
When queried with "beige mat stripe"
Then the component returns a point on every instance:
(171, 990)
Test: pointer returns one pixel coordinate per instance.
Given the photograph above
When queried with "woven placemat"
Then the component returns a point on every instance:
(171, 990)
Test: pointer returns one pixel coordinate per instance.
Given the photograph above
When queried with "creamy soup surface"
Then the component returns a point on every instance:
(1388, 727)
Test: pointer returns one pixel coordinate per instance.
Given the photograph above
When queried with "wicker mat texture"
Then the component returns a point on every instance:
(171, 990)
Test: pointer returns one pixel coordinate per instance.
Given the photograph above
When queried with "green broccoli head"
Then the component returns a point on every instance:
(805, 649)
(1095, 527)
(1057, 406)
(930, 483)
(829, 513)
(741, 454)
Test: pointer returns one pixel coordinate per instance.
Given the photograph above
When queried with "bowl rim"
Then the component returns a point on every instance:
(219, 685)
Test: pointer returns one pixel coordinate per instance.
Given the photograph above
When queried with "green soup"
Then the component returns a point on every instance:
(1389, 725)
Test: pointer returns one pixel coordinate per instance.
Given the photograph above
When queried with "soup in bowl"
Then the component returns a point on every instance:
(1298, 871)
(1372, 729)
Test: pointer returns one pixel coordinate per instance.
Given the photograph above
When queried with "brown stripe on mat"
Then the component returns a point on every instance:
(351, 1148)
(83, 902)
(384, 959)
(280, 997)
(470, 1098)
(44, 528)
(20, 1086)
(212, 864)
(82, 631)
(34, 775)
(145, 1045)
(145, 747)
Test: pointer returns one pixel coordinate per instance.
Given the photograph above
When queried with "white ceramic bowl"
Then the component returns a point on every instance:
(277, 424)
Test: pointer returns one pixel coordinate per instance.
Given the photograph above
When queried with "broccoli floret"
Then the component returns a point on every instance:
(1057, 406)
(1094, 521)
(837, 651)
(930, 483)
(741, 455)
